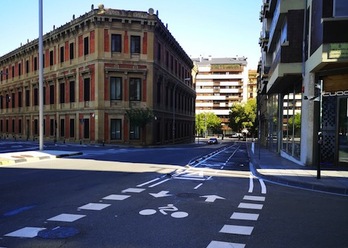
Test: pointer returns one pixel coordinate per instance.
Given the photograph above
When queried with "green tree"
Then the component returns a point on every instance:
(243, 115)
(140, 117)
(296, 121)
(207, 120)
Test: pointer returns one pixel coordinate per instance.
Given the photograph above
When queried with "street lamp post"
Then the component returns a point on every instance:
(40, 78)
(173, 124)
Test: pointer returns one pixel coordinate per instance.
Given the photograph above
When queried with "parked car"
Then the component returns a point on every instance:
(236, 135)
(212, 141)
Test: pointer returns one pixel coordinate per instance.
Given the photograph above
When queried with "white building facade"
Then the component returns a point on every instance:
(219, 83)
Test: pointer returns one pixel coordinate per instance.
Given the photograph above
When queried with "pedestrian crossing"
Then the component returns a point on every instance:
(248, 211)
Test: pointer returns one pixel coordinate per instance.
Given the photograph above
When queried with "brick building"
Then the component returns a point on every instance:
(95, 68)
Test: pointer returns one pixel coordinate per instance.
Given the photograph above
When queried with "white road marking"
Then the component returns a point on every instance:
(254, 198)
(163, 181)
(250, 206)
(234, 229)
(67, 217)
(244, 216)
(94, 206)
(212, 198)
(133, 190)
(160, 194)
(199, 185)
(26, 232)
(251, 184)
(116, 197)
(263, 186)
(220, 244)
(148, 182)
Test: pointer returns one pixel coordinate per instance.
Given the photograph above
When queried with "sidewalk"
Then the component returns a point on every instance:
(31, 156)
(272, 167)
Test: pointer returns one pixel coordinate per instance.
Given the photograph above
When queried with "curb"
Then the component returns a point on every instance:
(303, 185)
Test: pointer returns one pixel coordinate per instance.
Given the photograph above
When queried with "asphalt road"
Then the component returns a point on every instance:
(189, 196)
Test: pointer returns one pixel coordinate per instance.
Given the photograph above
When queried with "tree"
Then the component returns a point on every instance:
(294, 121)
(207, 120)
(140, 117)
(243, 115)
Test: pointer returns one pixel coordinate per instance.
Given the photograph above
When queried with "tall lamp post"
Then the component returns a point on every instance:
(40, 78)
(173, 124)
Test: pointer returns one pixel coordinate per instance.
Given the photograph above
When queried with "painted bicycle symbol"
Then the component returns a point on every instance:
(164, 210)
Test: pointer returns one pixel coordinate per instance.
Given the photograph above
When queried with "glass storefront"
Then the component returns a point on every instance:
(291, 129)
(343, 130)
(272, 122)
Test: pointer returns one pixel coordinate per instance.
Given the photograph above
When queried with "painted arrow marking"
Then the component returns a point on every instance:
(160, 194)
(212, 198)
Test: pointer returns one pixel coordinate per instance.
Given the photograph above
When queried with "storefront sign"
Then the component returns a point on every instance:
(338, 50)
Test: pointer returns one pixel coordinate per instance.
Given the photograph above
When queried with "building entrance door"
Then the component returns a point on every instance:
(343, 131)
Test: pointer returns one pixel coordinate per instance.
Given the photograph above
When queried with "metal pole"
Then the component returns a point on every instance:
(40, 78)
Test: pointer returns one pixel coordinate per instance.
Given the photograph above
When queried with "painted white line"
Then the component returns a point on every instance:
(254, 198)
(244, 216)
(148, 182)
(263, 186)
(116, 197)
(251, 184)
(234, 229)
(163, 181)
(190, 178)
(26, 232)
(250, 206)
(67, 217)
(220, 244)
(199, 185)
(133, 190)
(94, 206)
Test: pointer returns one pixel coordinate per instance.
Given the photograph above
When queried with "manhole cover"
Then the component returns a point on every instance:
(58, 233)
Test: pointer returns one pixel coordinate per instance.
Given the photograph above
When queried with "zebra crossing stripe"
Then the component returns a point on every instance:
(250, 206)
(66, 217)
(26, 232)
(220, 244)
(244, 216)
(234, 229)
(254, 198)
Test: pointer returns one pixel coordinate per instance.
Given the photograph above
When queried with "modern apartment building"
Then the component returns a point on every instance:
(96, 67)
(303, 80)
(219, 83)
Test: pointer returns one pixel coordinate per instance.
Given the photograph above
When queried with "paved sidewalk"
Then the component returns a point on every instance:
(31, 156)
(272, 167)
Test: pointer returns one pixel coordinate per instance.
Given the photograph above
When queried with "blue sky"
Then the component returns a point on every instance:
(221, 28)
